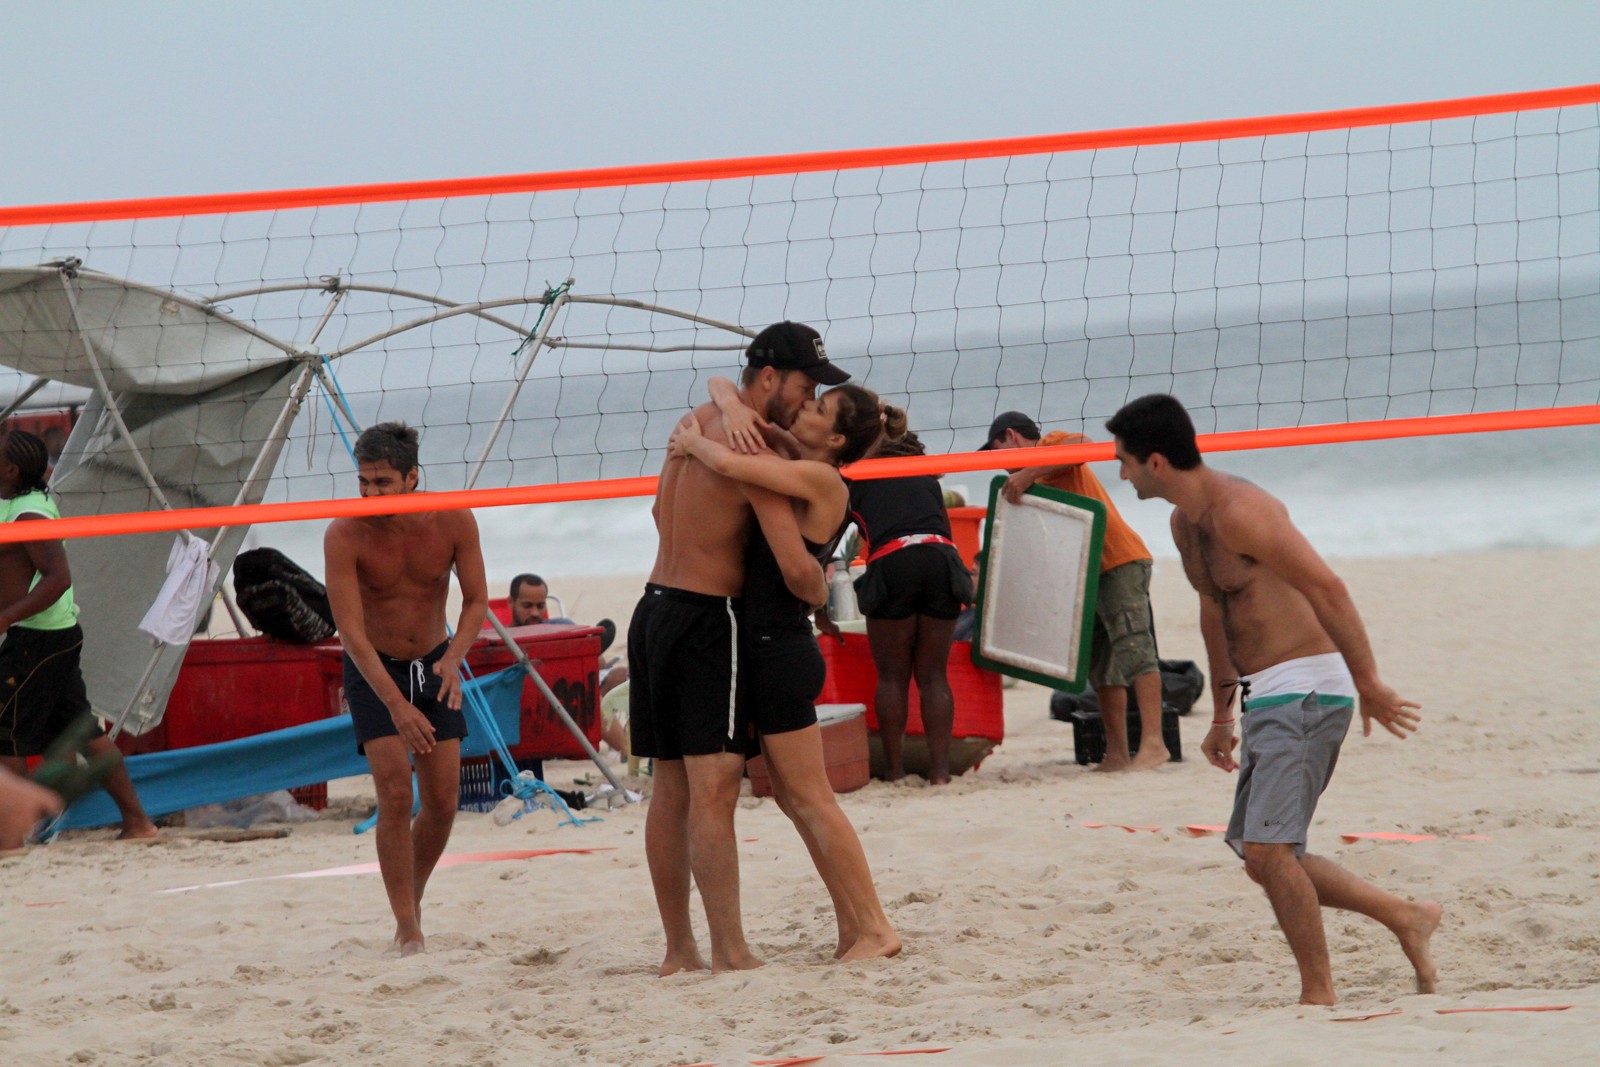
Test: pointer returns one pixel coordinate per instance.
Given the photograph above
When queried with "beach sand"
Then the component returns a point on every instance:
(1030, 939)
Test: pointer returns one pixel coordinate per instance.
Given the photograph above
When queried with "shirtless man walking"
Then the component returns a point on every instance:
(41, 683)
(388, 577)
(1279, 625)
(683, 659)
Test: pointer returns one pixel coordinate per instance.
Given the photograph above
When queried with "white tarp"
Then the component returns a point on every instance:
(199, 395)
(145, 339)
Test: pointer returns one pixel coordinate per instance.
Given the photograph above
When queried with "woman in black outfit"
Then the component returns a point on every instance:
(914, 587)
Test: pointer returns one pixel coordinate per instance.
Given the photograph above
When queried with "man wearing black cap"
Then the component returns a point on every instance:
(682, 652)
(1124, 650)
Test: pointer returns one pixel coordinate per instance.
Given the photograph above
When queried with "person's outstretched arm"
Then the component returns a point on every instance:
(1258, 526)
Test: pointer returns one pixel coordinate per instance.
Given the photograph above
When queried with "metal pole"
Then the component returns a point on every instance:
(111, 403)
(534, 346)
(560, 710)
(38, 384)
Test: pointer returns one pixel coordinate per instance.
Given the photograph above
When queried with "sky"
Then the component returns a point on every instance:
(181, 97)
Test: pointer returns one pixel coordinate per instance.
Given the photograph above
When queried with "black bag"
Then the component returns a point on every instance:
(280, 599)
(1182, 682)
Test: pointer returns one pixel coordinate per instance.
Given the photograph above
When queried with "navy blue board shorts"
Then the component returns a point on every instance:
(414, 678)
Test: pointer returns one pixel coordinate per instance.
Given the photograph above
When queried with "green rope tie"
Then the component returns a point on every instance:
(550, 296)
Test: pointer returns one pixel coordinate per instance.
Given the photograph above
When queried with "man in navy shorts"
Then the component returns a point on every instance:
(388, 576)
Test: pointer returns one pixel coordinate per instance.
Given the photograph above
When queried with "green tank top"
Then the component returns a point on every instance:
(63, 613)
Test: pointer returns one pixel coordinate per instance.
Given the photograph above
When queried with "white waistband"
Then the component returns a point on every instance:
(1325, 674)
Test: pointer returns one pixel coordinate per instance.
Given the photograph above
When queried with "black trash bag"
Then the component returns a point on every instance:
(280, 599)
(1182, 682)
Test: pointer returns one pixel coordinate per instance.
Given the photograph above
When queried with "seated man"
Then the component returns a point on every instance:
(530, 604)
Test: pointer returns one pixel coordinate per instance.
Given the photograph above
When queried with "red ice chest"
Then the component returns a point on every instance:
(239, 687)
(852, 679)
(567, 657)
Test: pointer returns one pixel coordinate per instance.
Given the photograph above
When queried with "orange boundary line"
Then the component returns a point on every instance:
(805, 162)
(299, 511)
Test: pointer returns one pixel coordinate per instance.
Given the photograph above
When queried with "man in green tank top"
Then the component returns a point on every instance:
(41, 685)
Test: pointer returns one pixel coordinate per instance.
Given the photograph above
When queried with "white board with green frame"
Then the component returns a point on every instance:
(1037, 587)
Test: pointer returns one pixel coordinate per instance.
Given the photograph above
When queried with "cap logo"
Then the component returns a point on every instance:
(822, 353)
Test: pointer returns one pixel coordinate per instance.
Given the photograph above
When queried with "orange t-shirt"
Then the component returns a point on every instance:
(1122, 545)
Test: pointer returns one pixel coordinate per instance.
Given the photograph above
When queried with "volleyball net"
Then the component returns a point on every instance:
(1425, 268)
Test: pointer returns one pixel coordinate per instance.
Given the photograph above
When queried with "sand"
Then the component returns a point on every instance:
(1030, 939)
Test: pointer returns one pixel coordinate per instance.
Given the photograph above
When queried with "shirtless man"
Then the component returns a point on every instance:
(681, 654)
(41, 684)
(1279, 625)
(388, 577)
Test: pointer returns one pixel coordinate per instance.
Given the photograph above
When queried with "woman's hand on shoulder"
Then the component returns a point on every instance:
(744, 429)
(683, 436)
(741, 424)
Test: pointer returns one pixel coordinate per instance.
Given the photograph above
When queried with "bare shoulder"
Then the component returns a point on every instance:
(460, 522)
(340, 533)
(1242, 503)
(709, 416)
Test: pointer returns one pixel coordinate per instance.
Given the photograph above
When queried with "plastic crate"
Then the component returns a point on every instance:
(1089, 735)
(481, 782)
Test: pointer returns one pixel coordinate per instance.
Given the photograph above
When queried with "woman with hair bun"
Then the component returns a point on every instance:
(914, 587)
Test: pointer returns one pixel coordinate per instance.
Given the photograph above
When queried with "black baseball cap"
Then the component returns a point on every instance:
(794, 346)
(1010, 420)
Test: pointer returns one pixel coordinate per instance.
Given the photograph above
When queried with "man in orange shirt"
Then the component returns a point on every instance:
(1124, 651)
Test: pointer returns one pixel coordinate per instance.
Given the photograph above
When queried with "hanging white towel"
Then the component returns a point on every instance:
(190, 576)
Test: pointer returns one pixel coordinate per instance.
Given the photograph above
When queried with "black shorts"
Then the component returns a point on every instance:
(415, 678)
(925, 579)
(683, 670)
(779, 680)
(41, 688)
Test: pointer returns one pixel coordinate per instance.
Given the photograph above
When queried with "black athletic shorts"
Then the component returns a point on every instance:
(415, 678)
(683, 670)
(41, 688)
(779, 680)
(925, 579)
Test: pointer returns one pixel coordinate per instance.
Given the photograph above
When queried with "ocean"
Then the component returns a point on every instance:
(1415, 497)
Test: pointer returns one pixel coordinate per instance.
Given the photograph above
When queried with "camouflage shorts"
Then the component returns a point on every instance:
(1124, 632)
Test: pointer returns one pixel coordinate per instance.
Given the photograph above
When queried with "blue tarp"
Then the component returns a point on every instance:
(283, 759)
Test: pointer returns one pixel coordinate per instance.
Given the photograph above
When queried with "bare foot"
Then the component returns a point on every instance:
(1111, 766)
(1149, 758)
(1416, 939)
(873, 947)
(847, 938)
(1325, 1000)
(742, 962)
(678, 962)
(412, 948)
(939, 779)
(139, 831)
